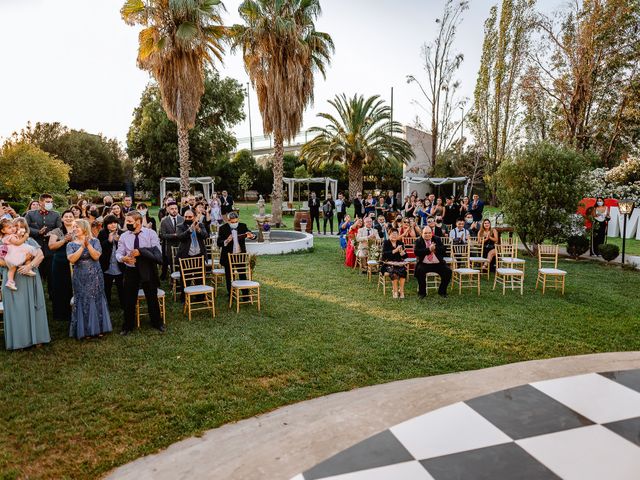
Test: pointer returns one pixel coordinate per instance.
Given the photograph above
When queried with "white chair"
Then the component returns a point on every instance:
(463, 275)
(513, 261)
(548, 268)
(506, 275)
(476, 260)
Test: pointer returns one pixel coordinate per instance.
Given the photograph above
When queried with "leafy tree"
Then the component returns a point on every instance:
(360, 134)
(282, 50)
(244, 183)
(152, 141)
(178, 39)
(244, 162)
(26, 170)
(539, 190)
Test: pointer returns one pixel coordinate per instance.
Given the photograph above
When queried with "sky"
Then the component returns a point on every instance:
(74, 61)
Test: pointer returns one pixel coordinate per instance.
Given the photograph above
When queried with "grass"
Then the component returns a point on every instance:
(76, 409)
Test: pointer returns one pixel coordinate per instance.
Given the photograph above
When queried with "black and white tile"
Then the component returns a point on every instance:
(585, 427)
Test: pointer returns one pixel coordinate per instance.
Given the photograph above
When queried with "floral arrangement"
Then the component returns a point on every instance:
(374, 250)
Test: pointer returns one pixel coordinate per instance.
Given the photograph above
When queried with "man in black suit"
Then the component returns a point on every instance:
(476, 207)
(169, 235)
(127, 205)
(358, 206)
(392, 201)
(226, 203)
(314, 210)
(191, 234)
(429, 252)
(231, 239)
(451, 212)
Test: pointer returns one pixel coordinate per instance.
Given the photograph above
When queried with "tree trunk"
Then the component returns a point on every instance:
(278, 170)
(355, 178)
(185, 163)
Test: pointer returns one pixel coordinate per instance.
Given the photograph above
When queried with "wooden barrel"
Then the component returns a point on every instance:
(300, 215)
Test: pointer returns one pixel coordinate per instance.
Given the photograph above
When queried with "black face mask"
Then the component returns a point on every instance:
(188, 222)
(131, 227)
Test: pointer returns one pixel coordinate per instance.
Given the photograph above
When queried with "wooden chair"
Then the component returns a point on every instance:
(1, 306)
(373, 264)
(194, 283)
(140, 313)
(382, 280)
(448, 258)
(513, 261)
(242, 290)
(548, 267)
(175, 272)
(463, 275)
(506, 275)
(216, 274)
(476, 247)
(433, 281)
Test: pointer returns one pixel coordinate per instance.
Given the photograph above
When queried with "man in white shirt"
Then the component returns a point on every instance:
(364, 236)
(459, 235)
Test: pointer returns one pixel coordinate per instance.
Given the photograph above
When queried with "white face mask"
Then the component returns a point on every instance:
(48, 206)
(143, 212)
(233, 226)
(600, 204)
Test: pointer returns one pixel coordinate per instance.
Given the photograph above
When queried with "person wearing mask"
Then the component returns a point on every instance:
(436, 231)
(429, 252)
(476, 208)
(358, 206)
(231, 239)
(107, 201)
(61, 289)
(314, 210)
(470, 225)
(393, 256)
(226, 204)
(127, 205)
(41, 222)
(341, 209)
(147, 220)
(451, 212)
(381, 226)
(327, 211)
(90, 315)
(139, 250)
(599, 222)
(169, 235)
(111, 268)
(441, 226)
(191, 235)
(459, 235)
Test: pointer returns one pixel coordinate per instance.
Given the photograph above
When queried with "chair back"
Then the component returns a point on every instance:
(476, 247)
(446, 241)
(174, 259)
(548, 256)
(192, 270)
(239, 264)
(209, 246)
(513, 241)
(504, 251)
(409, 242)
(460, 255)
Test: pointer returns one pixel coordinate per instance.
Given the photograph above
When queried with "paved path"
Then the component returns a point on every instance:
(292, 439)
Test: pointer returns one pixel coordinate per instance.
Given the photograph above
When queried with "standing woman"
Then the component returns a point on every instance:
(216, 210)
(438, 210)
(350, 254)
(90, 316)
(599, 221)
(410, 207)
(116, 211)
(343, 230)
(147, 220)
(491, 238)
(25, 310)
(62, 290)
(111, 268)
(203, 215)
(76, 210)
(393, 255)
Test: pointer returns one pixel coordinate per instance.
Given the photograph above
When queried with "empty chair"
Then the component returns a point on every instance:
(175, 271)
(506, 275)
(463, 275)
(243, 289)
(194, 284)
(513, 261)
(548, 272)
(216, 274)
(140, 313)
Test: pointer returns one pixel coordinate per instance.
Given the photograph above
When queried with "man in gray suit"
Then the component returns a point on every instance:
(168, 235)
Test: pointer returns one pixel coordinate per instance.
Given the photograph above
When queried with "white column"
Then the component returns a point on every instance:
(614, 227)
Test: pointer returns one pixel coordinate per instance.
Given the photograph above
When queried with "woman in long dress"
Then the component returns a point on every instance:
(599, 223)
(216, 210)
(90, 315)
(25, 310)
(61, 290)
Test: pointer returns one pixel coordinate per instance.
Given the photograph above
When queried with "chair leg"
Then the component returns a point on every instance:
(563, 277)
(258, 299)
(188, 301)
(544, 284)
(479, 284)
(138, 313)
(238, 303)
(495, 280)
(231, 297)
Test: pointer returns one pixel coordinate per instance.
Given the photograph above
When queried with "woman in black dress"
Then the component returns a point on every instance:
(61, 289)
(393, 255)
(599, 223)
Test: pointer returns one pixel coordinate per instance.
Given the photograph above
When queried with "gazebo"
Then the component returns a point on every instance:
(206, 182)
(408, 182)
(330, 184)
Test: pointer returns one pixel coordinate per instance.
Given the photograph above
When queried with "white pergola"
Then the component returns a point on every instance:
(206, 182)
(408, 182)
(330, 184)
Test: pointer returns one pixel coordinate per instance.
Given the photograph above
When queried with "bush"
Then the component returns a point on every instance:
(60, 200)
(577, 245)
(609, 251)
(539, 190)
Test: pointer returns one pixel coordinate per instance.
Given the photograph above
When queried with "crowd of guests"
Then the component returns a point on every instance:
(414, 229)
(81, 253)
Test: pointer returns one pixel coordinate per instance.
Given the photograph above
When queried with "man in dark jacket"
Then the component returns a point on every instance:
(191, 235)
(314, 210)
(327, 212)
(226, 203)
(451, 212)
(169, 235)
(231, 239)
(358, 206)
(429, 252)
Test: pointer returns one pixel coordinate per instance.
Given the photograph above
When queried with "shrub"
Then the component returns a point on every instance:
(539, 190)
(577, 245)
(609, 251)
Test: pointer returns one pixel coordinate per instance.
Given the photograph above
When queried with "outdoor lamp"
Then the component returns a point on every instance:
(626, 208)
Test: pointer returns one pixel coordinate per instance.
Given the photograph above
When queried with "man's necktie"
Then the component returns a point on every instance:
(136, 242)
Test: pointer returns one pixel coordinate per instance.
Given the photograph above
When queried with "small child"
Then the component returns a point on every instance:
(13, 250)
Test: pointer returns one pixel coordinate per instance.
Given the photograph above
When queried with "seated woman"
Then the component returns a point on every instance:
(491, 237)
(393, 255)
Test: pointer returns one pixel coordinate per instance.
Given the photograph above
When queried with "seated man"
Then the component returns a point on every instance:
(364, 236)
(381, 226)
(429, 252)
(471, 225)
(459, 235)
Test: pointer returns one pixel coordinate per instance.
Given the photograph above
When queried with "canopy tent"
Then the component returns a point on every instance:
(329, 183)
(206, 182)
(407, 182)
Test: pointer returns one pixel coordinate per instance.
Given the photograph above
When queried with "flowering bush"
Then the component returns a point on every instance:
(622, 181)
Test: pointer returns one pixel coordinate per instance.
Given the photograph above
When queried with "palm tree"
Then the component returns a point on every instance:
(363, 132)
(178, 39)
(281, 50)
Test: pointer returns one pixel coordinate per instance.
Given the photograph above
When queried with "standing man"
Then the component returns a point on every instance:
(476, 208)
(392, 201)
(41, 222)
(358, 206)
(327, 211)
(451, 212)
(127, 205)
(139, 250)
(169, 235)
(190, 204)
(341, 209)
(429, 252)
(226, 204)
(231, 239)
(191, 235)
(314, 210)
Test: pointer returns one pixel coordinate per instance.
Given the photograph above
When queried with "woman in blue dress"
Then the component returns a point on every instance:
(90, 315)
(25, 310)
(343, 229)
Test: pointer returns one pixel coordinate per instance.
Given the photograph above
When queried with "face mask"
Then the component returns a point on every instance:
(233, 226)
(600, 204)
(469, 220)
(131, 227)
(143, 212)
(188, 222)
(48, 206)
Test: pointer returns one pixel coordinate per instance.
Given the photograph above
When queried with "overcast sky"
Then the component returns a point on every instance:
(73, 61)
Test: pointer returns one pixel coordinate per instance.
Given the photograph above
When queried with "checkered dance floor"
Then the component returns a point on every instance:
(583, 427)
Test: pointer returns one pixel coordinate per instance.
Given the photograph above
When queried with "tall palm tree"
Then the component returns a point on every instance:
(361, 133)
(281, 50)
(178, 39)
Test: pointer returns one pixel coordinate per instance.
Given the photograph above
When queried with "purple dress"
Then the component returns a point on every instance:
(90, 316)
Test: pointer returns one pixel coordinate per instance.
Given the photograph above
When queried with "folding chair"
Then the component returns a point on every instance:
(194, 283)
(140, 313)
(245, 290)
(548, 267)
(506, 275)
(463, 275)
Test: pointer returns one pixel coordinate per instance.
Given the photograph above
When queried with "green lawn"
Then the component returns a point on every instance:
(75, 409)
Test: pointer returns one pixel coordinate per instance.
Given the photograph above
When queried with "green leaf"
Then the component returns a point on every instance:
(187, 31)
